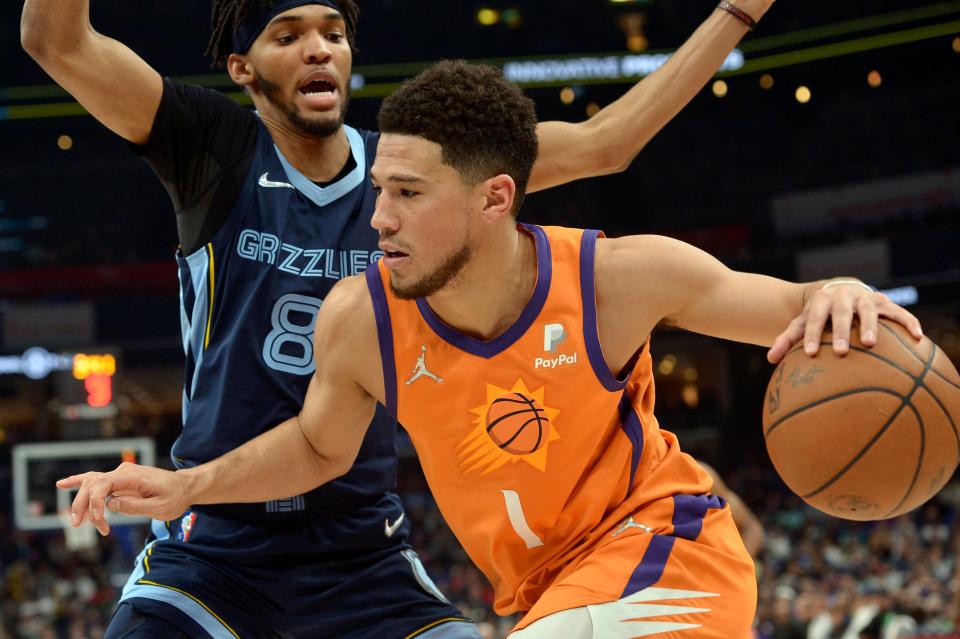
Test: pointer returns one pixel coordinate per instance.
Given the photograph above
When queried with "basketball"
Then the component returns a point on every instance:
(516, 424)
(868, 436)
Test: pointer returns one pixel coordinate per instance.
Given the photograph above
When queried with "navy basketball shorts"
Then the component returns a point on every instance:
(350, 577)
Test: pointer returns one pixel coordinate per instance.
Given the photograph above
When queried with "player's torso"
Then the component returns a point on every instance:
(249, 304)
(531, 446)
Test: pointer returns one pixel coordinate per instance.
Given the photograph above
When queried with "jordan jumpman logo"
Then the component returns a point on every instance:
(420, 370)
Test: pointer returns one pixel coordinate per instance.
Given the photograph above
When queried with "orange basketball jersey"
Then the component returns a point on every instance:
(534, 451)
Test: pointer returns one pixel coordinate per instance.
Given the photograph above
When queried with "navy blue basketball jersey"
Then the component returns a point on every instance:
(251, 291)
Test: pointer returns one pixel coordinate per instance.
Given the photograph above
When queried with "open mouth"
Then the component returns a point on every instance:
(393, 254)
(318, 88)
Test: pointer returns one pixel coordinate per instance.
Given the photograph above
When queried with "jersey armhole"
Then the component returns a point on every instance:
(591, 332)
(381, 312)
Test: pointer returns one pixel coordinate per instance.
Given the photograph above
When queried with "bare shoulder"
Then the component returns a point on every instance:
(347, 311)
(346, 335)
(623, 254)
(636, 265)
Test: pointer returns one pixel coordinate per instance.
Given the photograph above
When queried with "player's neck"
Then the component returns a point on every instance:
(493, 289)
(319, 159)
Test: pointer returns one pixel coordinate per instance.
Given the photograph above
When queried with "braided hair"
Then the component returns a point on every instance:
(227, 15)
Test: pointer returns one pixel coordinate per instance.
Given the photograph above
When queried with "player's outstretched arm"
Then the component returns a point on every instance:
(608, 142)
(108, 79)
(300, 454)
(645, 280)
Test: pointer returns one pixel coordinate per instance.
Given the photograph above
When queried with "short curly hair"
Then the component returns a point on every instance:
(227, 15)
(484, 124)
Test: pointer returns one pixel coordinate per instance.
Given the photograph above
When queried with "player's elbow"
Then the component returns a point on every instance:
(614, 152)
(45, 41)
(31, 38)
(337, 466)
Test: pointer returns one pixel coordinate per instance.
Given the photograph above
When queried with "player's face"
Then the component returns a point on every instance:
(302, 63)
(423, 214)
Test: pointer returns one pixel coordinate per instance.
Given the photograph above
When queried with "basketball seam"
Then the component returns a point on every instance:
(824, 400)
(915, 354)
(916, 471)
(904, 401)
(949, 417)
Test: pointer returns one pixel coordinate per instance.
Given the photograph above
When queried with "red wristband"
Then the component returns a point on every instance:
(739, 14)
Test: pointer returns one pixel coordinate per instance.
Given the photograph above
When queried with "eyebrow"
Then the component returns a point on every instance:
(401, 178)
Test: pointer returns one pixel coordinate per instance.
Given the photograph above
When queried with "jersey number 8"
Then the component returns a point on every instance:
(289, 346)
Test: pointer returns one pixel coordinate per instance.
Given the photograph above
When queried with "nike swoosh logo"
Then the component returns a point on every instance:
(269, 184)
(389, 529)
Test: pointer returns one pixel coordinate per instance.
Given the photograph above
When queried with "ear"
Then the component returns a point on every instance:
(240, 70)
(499, 195)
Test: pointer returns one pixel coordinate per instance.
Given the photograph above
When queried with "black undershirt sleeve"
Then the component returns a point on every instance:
(201, 147)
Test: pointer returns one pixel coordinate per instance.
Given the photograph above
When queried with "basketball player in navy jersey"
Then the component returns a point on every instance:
(273, 208)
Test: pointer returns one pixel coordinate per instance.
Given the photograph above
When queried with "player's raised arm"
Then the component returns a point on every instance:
(645, 280)
(295, 457)
(108, 79)
(608, 142)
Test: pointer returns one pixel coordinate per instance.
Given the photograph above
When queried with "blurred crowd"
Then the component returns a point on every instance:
(820, 578)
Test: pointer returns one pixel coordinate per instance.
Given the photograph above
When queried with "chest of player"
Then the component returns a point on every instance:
(535, 403)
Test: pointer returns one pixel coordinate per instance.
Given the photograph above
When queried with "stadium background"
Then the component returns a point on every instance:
(858, 175)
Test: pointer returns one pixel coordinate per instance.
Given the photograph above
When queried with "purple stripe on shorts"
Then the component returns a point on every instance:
(689, 511)
(633, 427)
(651, 566)
(385, 334)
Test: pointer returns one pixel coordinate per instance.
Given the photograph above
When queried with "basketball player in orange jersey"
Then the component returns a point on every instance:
(535, 426)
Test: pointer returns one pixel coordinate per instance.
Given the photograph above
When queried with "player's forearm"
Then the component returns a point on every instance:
(49, 27)
(278, 464)
(627, 125)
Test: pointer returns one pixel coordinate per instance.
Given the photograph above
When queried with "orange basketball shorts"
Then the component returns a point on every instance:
(690, 579)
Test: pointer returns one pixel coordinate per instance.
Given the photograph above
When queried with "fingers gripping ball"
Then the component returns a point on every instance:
(868, 436)
(516, 423)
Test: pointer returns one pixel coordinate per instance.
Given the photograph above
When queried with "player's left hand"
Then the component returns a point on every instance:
(130, 489)
(839, 303)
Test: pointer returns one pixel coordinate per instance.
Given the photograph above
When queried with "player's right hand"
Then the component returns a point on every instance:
(132, 490)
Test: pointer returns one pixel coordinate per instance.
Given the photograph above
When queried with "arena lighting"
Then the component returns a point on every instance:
(38, 363)
(588, 68)
(64, 142)
(488, 17)
(766, 81)
(903, 295)
(874, 79)
(720, 89)
(567, 95)
(592, 109)
(803, 94)
(956, 44)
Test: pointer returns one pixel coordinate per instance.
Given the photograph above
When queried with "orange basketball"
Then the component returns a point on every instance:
(871, 435)
(516, 423)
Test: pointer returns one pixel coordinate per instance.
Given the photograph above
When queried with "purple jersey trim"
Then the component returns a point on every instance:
(689, 511)
(385, 335)
(591, 335)
(633, 427)
(505, 340)
(651, 566)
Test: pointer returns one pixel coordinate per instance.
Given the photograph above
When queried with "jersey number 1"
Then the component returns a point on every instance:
(519, 521)
(289, 346)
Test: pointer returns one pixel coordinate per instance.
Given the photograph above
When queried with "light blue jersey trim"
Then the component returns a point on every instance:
(199, 269)
(160, 533)
(176, 599)
(184, 604)
(324, 196)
